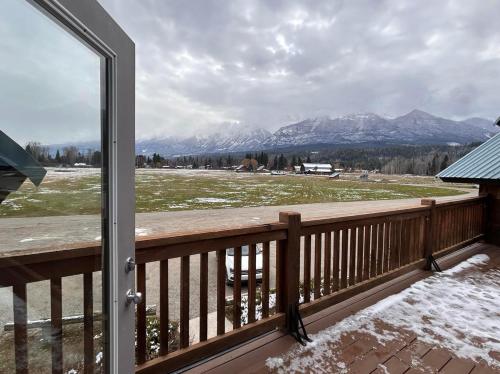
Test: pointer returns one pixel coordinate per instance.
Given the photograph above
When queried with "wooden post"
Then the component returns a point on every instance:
(430, 230)
(289, 265)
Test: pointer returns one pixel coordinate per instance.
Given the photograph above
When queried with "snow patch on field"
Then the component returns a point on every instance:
(213, 200)
(458, 310)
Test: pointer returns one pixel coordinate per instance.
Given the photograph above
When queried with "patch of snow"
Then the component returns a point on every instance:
(140, 231)
(456, 311)
(213, 200)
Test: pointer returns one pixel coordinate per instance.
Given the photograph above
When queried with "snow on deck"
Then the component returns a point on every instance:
(457, 310)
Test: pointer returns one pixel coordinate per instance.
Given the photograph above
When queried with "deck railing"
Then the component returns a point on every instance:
(316, 263)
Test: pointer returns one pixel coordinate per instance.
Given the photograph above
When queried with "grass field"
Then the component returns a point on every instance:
(78, 192)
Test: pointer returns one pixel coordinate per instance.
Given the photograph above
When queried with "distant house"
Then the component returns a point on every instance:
(262, 169)
(481, 166)
(296, 169)
(242, 169)
(309, 168)
(334, 176)
(81, 165)
(16, 165)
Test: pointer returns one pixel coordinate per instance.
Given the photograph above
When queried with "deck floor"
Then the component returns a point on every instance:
(355, 351)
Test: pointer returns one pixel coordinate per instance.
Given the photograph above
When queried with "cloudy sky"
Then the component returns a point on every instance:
(203, 63)
(267, 63)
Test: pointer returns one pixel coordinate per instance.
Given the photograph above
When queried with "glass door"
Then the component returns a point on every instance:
(63, 273)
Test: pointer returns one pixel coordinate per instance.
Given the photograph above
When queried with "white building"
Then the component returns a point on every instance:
(309, 168)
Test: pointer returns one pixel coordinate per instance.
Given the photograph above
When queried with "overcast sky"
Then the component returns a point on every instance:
(268, 63)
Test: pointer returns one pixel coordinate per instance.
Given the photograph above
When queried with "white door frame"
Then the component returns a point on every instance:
(90, 23)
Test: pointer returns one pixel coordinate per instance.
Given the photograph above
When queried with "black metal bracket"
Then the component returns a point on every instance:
(296, 324)
(431, 261)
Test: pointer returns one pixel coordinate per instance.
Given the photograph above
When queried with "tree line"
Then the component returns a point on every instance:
(418, 160)
(67, 156)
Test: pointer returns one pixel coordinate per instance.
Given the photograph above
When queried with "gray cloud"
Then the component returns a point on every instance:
(267, 63)
(49, 81)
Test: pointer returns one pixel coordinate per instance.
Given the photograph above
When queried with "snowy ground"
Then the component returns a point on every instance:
(457, 310)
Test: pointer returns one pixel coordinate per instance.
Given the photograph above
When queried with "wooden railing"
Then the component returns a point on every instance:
(317, 263)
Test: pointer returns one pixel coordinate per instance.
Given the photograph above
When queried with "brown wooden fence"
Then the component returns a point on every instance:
(317, 263)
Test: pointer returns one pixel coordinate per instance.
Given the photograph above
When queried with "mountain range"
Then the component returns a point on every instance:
(414, 128)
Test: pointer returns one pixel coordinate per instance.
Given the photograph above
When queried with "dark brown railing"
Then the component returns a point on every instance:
(317, 263)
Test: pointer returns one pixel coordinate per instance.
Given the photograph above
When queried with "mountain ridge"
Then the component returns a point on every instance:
(414, 128)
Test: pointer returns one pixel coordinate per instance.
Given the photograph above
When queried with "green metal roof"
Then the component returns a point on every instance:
(13, 155)
(481, 164)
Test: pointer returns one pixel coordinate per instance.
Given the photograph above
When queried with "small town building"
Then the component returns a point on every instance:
(334, 176)
(481, 166)
(310, 168)
(296, 169)
(242, 169)
(16, 165)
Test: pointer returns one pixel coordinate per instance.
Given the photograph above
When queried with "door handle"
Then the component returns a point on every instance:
(134, 297)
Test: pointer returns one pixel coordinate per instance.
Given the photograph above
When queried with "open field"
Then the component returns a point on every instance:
(77, 191)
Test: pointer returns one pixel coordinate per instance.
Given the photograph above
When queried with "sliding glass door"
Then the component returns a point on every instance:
(64, 235)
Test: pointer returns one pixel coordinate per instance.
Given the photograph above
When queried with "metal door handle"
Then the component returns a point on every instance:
(134, 297)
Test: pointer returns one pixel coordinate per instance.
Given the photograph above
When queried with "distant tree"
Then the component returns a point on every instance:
(58, 157)
(444, 163)
(95, 160)
(70, 154)
(308, 159)
(274, 165)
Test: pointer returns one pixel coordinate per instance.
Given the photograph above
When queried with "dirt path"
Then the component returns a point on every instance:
(29, 233)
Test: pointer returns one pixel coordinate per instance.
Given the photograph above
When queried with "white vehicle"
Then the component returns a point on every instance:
(244, 264)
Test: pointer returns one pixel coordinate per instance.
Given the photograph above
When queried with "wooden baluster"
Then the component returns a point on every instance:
(411, 240)
(141, 314)
(251, 282)
(393, 260)
(317, 266)
(336, 260)
(385, 262)
(359, 255)
(88, 325)
(437, 230)
(327, 262)
(366, 253)
(373, 251)
(392, 245)
(203, 296)
(237, 288)
(20, 328)
(221, 292)
(184, 303)
(265, 279)
(164, 307)
(344, 259)
(380, 247)
(56, 324)
(307, 268)
(352, 256)
(405, 242)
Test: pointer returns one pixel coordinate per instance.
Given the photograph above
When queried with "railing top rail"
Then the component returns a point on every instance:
(361, 217)
(48, 254)
(194, 236)
(463, 201)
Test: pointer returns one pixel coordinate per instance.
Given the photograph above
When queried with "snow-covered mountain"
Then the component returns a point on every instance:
(230, 138)
(416, 127)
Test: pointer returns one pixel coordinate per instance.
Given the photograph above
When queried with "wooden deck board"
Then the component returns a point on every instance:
(361, 354)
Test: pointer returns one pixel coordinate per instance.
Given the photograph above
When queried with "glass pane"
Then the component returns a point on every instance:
(50, 194)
